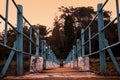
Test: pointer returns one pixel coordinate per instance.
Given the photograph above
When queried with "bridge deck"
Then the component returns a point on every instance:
(61, 74)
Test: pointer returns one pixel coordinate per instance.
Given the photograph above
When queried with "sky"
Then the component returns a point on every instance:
(44, 11)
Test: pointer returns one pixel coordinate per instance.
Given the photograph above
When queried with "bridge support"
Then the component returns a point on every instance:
(44, 53)
(101, 40)
(37, 43)
(82, 42)
(19, 42)
(118, 18)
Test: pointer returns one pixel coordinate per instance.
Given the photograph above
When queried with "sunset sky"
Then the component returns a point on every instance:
(44, 11)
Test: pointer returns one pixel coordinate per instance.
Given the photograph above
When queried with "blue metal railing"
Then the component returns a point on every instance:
(18, 44)
(48, 54)
(103, 43)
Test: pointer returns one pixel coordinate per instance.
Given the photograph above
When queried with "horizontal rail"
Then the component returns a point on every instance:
(29, 39)
(102, 29)
(90, 22)
(30, 25)
(13, 27)
(104, 5)
(110, 23)
(9, 23)
(16, 50)
(24, 17)
(95, 16)
(115, 44)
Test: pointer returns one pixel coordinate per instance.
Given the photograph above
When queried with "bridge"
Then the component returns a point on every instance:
(44, 59)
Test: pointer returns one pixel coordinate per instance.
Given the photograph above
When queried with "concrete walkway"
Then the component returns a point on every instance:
(62, 74)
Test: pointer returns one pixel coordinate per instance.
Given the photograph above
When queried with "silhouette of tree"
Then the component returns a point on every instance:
(70, 23)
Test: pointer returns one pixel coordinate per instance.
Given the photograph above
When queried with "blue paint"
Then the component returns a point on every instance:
(82, 41)
(5, 68)
(30, 39)
(118, 18)
(6, 22)
(101, 40)
(37, 42)
(19, 42)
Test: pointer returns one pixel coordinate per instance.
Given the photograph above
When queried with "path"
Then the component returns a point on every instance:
(61, 74)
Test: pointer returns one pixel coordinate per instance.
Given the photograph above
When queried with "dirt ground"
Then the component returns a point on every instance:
(62, 74)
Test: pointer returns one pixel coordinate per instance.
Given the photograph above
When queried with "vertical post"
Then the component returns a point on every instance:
(73, 52)
(101, 40)
(44, 52)
(89, 33)
(78, 48)
(30, 41)
(6, 22)
(37, 43)
(48, 52)
(19, 44)
(83, 41)
(118, 18)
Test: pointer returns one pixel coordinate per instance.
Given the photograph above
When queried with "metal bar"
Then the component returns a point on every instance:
(94, 35)
(91, 22)
(86, 42)
(37, 43)
(109, 24)
(5, 68)
(6, 20)
(30, 24)
(103, 49)
(82, 41)
(96, 15)
(101, 38)
(118, 18)
(16, 49)
(16, 6)
(8, 23)
(89, 31)
(112, 56)
(78, 48)
(96, 52)
(29, 39)
(19, 41)
(104, 5)
(30, 49)
(23, 16)
(44, 52)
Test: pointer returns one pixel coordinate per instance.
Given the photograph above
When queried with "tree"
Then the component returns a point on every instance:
(71, 21)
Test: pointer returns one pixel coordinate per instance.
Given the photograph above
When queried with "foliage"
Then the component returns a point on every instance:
(67, 28)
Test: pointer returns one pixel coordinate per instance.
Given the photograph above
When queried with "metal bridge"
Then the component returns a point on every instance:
(75, 56)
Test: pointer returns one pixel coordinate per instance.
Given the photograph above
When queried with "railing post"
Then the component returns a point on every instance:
(19, 44)
(79, 48)
(6, 22)
(30, 49)
(73, 52)
(48, 52)
(89, 33)
(44, 52)
(37, 42)
(118, 18)
(82, 41)
(101, 40)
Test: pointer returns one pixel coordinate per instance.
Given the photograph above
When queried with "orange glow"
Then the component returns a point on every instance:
(44, 11)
